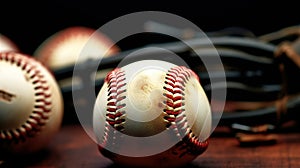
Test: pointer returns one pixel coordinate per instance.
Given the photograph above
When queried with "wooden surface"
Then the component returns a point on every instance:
(72, 147)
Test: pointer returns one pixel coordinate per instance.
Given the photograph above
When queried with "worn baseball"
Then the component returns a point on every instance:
(31, 105)
(152, 113)
(6, 44)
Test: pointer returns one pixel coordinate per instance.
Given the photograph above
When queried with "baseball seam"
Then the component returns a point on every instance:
(42, 96)
(175, 81)
(174, 111)
(114, 113)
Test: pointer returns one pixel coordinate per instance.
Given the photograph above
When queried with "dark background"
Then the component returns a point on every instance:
(28, 24)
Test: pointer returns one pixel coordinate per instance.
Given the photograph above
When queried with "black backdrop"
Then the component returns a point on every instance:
(28, 24)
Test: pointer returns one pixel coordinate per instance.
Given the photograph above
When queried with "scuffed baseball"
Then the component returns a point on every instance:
(152, 114)
(64, 47)
(31, 105)
(7, 44)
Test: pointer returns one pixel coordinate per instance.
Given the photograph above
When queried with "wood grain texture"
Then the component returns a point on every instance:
(72, 147)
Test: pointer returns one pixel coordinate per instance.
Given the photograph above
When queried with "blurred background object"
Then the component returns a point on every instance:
(64, 47)
(7, 44)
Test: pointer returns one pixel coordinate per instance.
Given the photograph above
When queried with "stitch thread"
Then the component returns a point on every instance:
(42, 105)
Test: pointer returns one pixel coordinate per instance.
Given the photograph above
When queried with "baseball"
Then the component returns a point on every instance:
(65, 48)
(31, 105)
(7, 44)
(152, 113)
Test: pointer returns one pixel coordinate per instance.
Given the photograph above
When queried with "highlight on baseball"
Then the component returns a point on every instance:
(31, 105)
(63, 48)
(6, 44)
(152, 113)
(75, 44)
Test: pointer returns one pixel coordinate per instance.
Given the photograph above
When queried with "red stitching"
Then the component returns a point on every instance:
(115, 80)
(176, 79)
(42, 107)
(114, 112)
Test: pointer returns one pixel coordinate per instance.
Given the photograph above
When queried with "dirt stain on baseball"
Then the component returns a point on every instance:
(6, 97)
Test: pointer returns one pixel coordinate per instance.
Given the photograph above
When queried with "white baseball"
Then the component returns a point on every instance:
(152, 114)
(31, 105)
(7, 44)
